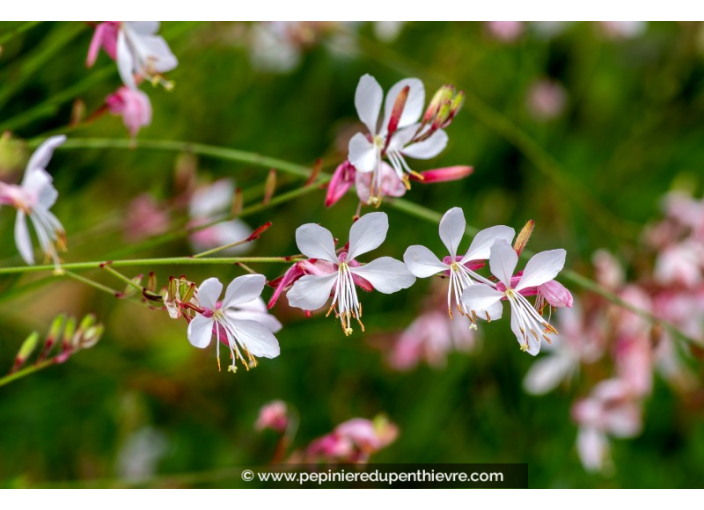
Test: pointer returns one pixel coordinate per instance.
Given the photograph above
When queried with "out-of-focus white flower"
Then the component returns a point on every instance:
(33, 198)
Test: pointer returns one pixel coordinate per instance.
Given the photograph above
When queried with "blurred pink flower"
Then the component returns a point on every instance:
(546, 100)
(353, 441)
(134, 107)
(274, 416)
(145, 217)
(105, 37)
(623, 29)
(506, 31)
(611, 409)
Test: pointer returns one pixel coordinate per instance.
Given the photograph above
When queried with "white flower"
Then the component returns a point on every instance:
(385, 274)
(34, 197)
(238, 321)
(526, 323)
(407, 137)
(141, 53)
(423, 263)
(206, 205)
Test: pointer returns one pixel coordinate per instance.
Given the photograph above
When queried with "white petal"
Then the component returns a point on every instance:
(402, 137)
(493, 312)
(387, 275)
(422, 262)
(200, 331)
(452, 227)
(480, 249)
(502, 261)
(427, 148)
(533, 344)
(593, 448)
(38, 183)
(367, 100)
(22, 239)
(210, 200)
(209, 293)
(42, 156)
(243, 289)
(316, 242)
(541, 268)
(367, 234)
(414, 103)
(155, 53)
(259, 340)
(311, 291)
(265, 319)
(546, 373)
(481, 298)
(125, 61)
(142, 27)
(362, 153)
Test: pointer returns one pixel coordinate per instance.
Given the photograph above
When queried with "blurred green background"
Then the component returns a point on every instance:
(591, 177)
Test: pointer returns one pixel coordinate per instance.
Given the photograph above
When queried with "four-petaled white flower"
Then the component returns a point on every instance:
(34, 197)
(399, 134)
(423, 263)
(239, 321)
(141, 53)
(385, 274)
(526, 323)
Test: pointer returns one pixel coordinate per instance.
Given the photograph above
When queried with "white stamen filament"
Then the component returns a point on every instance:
(345, 302)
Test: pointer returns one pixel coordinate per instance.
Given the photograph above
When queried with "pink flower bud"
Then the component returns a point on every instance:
(274, 416)
(134, 107)
(556, 294)
(450, 173)
(341, 181)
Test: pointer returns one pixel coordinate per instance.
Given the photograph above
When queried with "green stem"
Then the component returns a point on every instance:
(26, 371)
(122, 277)
(91, 283)
(169, 261)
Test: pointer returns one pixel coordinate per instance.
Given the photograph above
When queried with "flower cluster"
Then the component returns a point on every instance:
(140, 55)
(376, 164)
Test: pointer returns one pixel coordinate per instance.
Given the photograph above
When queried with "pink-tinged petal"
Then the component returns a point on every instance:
(293, 274)
(481, 298)
(387, 275)
(367, 234)
(22, 239)
(316, 242)
(414, 104)
(367, 100)
(502, 261)
(541, 268)
(452, 228)
(209, 293)
(95, 43)
(200, 331)
(422, 262)
(480, 249)
(428, 148)
(125, 61)
(258, 340)
(624, 420)
(133, 106)
(311, 291)
(341, 181)
(243, 289)
(556, 294)
(450, 173)
(42, 156)
(390, 185)
(546, 373)
(593, 448)
(362, 153)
